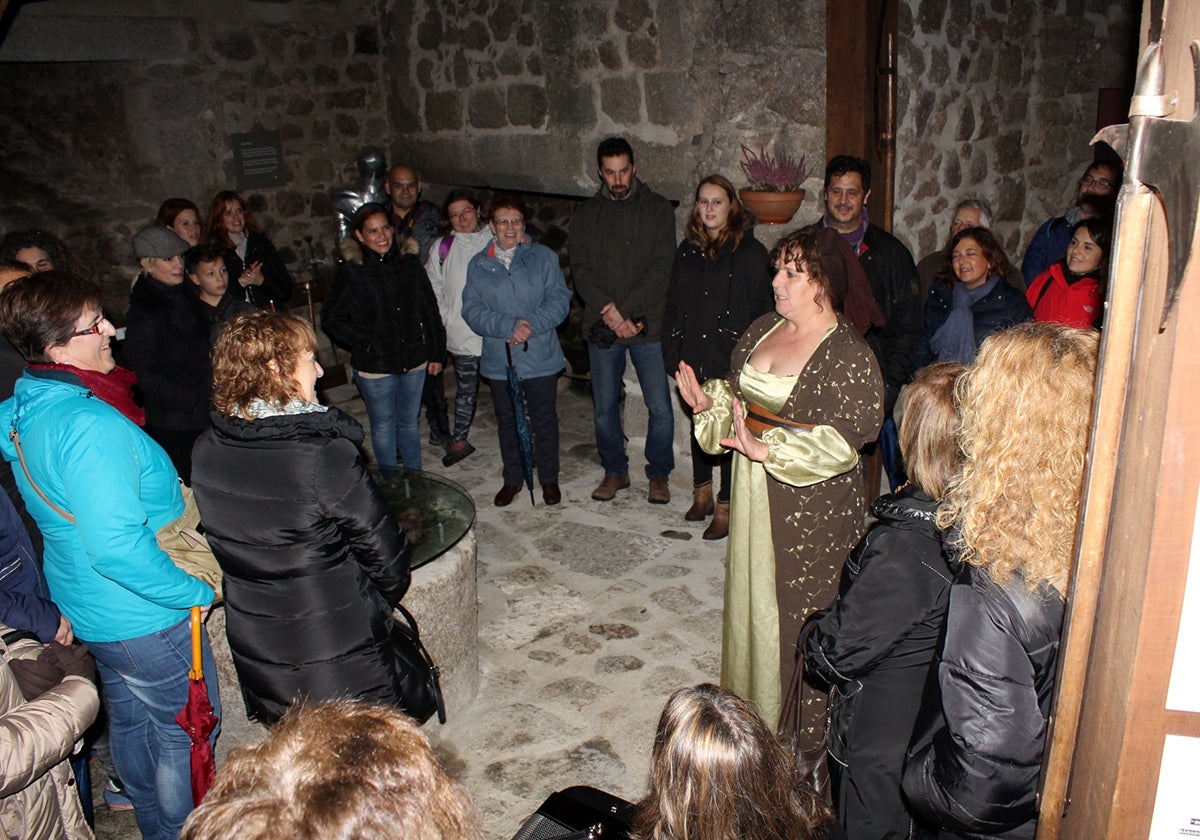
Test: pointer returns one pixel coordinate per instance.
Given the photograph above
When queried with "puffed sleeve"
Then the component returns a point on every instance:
(796, 459)
(809, 458)
(717, 422)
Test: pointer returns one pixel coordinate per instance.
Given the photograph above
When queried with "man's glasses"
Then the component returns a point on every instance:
(1089, 181)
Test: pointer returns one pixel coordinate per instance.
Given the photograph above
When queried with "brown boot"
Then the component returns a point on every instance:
(718, 529)
(702, 503)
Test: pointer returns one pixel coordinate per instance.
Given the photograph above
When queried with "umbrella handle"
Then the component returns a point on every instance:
(197, 671)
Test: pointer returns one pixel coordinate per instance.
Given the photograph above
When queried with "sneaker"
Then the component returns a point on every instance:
(437, 438)
(115, 798)
(456, 452)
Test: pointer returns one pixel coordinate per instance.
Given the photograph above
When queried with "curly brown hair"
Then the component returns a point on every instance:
(1026, 412)
(254, 358)
(344, 769)
(718, 773)
(803, 248)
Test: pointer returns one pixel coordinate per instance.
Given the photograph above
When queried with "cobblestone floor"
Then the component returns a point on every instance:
(591, 614)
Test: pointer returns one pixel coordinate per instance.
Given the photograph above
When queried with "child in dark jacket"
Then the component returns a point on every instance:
(875, 643)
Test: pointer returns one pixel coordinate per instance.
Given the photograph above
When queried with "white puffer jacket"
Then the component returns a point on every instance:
(39, 799)
(448, 279)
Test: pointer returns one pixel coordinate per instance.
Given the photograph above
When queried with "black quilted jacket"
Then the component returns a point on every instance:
(313, 559)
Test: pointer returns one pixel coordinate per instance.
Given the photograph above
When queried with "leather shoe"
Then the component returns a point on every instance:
(609, 486)
(551, 495)
(660, 491)
(506, 495)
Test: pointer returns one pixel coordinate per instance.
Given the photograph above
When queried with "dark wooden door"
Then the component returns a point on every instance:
(860, 92)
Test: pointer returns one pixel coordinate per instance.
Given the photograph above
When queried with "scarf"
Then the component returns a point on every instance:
(855, 238)
(114, 388)
(260, 408)
(239, 241)
(848, 282)
(955, 340)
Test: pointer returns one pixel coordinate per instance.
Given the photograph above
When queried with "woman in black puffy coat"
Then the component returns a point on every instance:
(384, 312)
(873, 646)
(313, 559)
(720, 283)
(166, 345)
(973, 766)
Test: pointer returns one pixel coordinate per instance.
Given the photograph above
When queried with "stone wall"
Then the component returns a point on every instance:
(997, 100)
(517, 93)
(91, 147)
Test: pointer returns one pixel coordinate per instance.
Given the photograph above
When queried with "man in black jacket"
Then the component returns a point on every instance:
(622, 244)
(892, 274)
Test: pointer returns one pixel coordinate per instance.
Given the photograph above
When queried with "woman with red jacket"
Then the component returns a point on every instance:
(1072, 290)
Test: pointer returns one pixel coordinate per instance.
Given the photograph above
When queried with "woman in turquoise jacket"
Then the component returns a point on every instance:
(515, 297)
(125, 598)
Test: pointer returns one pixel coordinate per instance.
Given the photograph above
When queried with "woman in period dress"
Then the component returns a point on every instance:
(798, 503)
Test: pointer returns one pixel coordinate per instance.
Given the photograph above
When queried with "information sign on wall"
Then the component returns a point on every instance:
(258, 159)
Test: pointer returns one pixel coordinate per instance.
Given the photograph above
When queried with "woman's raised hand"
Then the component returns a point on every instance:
(690, 390)
(743, 439)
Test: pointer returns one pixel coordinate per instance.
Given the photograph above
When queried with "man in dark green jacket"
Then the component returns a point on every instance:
(621, 247)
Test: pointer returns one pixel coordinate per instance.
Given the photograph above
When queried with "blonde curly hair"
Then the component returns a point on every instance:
(1026, 412)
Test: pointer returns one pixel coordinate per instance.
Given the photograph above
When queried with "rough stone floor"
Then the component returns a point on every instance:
(591, 614)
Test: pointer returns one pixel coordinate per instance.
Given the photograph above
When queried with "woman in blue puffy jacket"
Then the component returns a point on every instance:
(84, 458)
(515, 297)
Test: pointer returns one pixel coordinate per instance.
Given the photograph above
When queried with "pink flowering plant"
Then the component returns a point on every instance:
(772, 173)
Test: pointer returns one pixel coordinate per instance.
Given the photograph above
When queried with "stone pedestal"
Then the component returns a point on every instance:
(443, 599)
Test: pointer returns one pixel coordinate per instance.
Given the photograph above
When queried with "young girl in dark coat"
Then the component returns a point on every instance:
(720, 283)
(875, 643)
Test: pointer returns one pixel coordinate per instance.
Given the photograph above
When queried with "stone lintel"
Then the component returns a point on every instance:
(60, 38)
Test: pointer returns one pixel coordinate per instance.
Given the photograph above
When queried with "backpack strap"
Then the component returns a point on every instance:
(444, 248)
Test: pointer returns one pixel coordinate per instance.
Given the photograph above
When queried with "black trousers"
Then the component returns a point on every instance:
(541, 403)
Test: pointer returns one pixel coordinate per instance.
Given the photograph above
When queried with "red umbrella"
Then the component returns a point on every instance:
(198, 719)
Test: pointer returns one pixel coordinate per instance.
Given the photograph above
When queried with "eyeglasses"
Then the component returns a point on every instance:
(1089, 181)
(94, 329)
(508, 222)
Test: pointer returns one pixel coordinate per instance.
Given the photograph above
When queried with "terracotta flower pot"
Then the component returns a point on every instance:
(772, 208)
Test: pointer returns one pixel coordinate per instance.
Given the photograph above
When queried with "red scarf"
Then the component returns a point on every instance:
(114, 387)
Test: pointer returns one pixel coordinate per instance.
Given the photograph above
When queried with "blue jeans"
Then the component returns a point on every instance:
(608, 366)
(145, 687)
(394, 407)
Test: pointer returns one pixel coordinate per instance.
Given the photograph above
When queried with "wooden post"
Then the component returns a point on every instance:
(1126, 601)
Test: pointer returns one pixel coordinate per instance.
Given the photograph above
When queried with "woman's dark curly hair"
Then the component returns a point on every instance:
(803, 248)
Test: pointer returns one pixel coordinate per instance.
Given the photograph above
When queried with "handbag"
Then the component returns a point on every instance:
(420, 686)
(812, 764)
(180, 539)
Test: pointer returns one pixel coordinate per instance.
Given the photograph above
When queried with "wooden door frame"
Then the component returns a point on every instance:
(860, 93)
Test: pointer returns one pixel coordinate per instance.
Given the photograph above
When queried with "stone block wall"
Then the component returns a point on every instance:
(997, 100)
(92, 147)
(516, 94)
